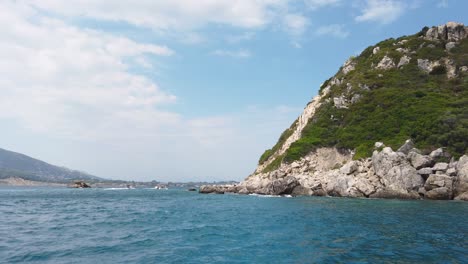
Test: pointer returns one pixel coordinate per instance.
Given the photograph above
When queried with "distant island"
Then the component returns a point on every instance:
(391, 123)
(17, 169)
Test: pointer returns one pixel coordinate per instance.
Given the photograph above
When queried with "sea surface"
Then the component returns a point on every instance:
(59, 225)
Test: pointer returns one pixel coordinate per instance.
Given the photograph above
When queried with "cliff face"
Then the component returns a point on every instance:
(414, 87)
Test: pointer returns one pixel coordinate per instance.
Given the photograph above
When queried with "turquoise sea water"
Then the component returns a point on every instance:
(52, 225)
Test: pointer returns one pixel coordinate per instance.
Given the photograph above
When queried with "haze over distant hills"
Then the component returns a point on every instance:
(13, 164)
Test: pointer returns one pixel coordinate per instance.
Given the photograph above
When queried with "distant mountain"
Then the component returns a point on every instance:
(14, 164)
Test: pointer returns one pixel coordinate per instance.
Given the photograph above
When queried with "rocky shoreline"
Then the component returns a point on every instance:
(402, 174)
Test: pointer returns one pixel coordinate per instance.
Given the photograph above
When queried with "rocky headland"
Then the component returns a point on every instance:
(350, 139)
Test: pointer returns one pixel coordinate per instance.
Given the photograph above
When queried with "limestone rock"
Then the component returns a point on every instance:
(386, 63)
(376, 50)
(348, 66)
(438, 153)
(340, 102)
(349, 168)
(403, 61)
(451, 31)
(440, 166)
(409, 145)
(441, 193)
(420, 161)
(452, 172)
(281, 186)
(426, 65)
(211, 189)
(379, 145)
(425, 171)
(391, 194)
(461, 180)
(450, 68)
(462, 197)
(395, 171)
(301, 191)
(450, 45)
(436, 181)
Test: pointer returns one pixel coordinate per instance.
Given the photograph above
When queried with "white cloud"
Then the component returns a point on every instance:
(295, 24)
(334, 30)
(234, 39)
(381, 11)
(316, 4)
(174, 14)
(74, 82)
(232, 53)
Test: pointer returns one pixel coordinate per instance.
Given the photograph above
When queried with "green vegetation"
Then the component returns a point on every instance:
(394, 104)
(275, 164)
(285, 135)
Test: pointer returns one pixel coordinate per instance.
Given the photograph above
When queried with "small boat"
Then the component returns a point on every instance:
(157, 187)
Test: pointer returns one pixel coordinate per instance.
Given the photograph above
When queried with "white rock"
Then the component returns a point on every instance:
(379, 145)
(395, 172)
(386, 63)
(403, 61)
(348, 66)
(340, 102)
(450, 45)
(440, 166)
(375, 50)
(438, 153)
(426, 65)
(349, 168)
(451, 31)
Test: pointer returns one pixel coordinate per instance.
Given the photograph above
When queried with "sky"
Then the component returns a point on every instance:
(180, 90)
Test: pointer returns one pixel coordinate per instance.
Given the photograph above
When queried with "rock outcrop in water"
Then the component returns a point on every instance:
(387, 174)
(412, 87)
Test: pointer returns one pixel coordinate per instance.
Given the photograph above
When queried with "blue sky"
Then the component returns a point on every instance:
(178, 90)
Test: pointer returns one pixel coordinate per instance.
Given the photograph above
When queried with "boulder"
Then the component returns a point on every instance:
(441, 193)
(420, 161)
(409, 145)
(462, 197)
(461, 180)
(451, 172)
(425, 171)
(349, 168)
(436, 181)
(438, 153)
(395, 172)
(440, 166)
(211, 189)
(379, 145)
(80, 184)
(280, 186)
(390, 194)
(439, 187)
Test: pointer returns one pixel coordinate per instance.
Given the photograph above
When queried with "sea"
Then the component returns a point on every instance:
(60, 225)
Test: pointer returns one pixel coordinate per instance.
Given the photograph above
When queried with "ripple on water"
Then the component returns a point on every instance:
(175, 226)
